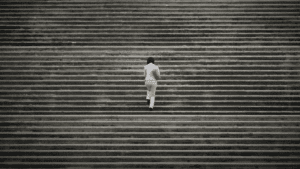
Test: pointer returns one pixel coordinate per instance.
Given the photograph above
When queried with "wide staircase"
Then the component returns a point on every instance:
(73, 93)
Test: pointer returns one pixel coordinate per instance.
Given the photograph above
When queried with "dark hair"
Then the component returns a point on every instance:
(150, 59)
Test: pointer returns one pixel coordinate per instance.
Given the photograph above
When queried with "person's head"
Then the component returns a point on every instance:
(150, 59)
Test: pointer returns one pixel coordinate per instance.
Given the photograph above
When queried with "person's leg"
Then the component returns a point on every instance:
(152, 94)
(148, 93)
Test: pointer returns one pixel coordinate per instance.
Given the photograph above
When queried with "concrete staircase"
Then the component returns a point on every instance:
(73, 93)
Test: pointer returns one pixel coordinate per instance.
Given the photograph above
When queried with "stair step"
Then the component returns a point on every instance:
(201, 29)
(74, 48)
(150, 8)
(165, 112)
(146, 161)
(153, 165)
(159, 21)
(160, 58)
(141, 82)
(211, 49)
(146, 129)
(115, 97)
(93, 123)
(189, 141)
(138, 77)
(124, 107)
(151, 147)
(134, 102)
(141, 87)
(167, 14)
(220, 23)
(208, 135)
(182, 117)
(215, 22)
(179, 36)
(185, 1)
(157, 157)
(78, 43)
(158, 40)
(252, 96)
(135, 67)
(110, 61)
(187, 87)
(152, 3)
(139, 68)
(186, 72)
(201, 134)
(120, 39)
(143, 91)
(175, 13)
(149, 53)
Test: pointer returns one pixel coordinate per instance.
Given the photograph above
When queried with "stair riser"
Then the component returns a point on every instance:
(161, 105)
(267, 135)
(158, 153)
(187, 141)
(153, 160)
(151, 123)
(150, 117)
(124, 107)
(151, 129)
(143, 87)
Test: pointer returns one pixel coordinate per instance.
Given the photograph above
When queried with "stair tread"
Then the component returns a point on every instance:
(157, 163)
(245, 129)
(157, 145)
(132, 106)
(129, 46)
(89, 113)
(146, 157)
(144, 80)
(139, 101)
(158, 30)
(179, 7)
(192, 1)
(153, 115)
(139, 76)
(141, 66)
(151, 121)
(180, 86)
(285, 90)
(140, 96)
(157, 133)
(141, 60)
(98, 139)
(173, 11)
(118, 71)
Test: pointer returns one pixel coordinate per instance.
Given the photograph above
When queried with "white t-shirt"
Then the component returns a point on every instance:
(151, 71)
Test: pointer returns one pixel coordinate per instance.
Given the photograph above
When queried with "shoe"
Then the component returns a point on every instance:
(148, 102)
(150, 109)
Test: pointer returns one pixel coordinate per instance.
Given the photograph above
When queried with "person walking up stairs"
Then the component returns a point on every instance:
(152, 74)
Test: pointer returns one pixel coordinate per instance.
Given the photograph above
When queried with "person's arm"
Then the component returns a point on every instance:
(158, 73)
(145, 73)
